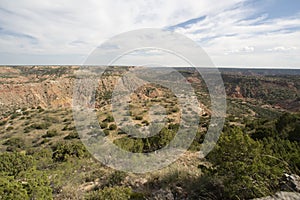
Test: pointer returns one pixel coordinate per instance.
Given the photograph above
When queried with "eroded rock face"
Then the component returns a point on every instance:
(53, 86)
(290, 182)
(282, 196)
(45, 86)
(35, 86)
(54, 93)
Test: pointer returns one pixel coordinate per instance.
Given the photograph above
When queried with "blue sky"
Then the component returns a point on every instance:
(234, 33)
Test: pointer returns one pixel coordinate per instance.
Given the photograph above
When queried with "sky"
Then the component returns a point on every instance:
(234, 33)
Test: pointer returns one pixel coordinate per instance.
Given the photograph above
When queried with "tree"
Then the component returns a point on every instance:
(242, 165)
(14, 163)
(11, 189)
(36, 184)
(65, 150)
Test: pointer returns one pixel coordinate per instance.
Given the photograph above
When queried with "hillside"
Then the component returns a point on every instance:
(42, 155)
(52, 87)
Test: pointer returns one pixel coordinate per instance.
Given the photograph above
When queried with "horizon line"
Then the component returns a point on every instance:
(218, 67)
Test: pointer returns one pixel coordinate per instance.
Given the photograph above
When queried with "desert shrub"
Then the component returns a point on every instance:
(72, 135)
(175, 109)
(14, 115)
(43, 157)
(51, 119)
(30, 184)
(37, 184)
(11, 189)
(174, 126)
(138, 125)
(206, 187)
(240, 163)
(50, 133)
(109, 118)
(134, 145)
(170, 120)
(26, 123)
(68, 128)
(107, 95)
(44, 141)
(65, 150)
(106, 132)
(287, 126)
(294, 134)
(263, 132)
(16, 143)
(3, 122)
(116, 178)
(284, 150)
(43, 125)
(14, 163)
(26, 113)
(110, 193)
(112, 127)
(104, 125)
(139, 117)
(92, 176)
(9, 128)
(145, 122)
(196, 144)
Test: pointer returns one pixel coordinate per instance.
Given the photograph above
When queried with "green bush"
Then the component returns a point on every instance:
(134, 145)
(114, 193)
(174, 110)
(138, 117)
(68, 128)
(116, 178)
(98, 173)
(51, 119)
(27, 129)
(145, 122)
(242, 165)
(15, 143)
(9, 128)
(72, 135)
(11, 189)
(106, 132)
(3, 122)
(174, 126)
(65, 150)
(14, 163)
(43, 157)
(43, 125)
(31, 184)
(113, 127)
(109, 118)
(50, 133)
(37, 184)
(104, 125)
(14, 115)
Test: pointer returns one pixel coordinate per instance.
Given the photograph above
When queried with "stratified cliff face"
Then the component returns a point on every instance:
(49, 86)
(53, 86)
(279, 90)
(35, 86)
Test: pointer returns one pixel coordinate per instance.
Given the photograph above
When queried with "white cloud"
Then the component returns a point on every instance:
(231, 38)
(58, 25)
(282, 49)
(229, 33)
(245, 49)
